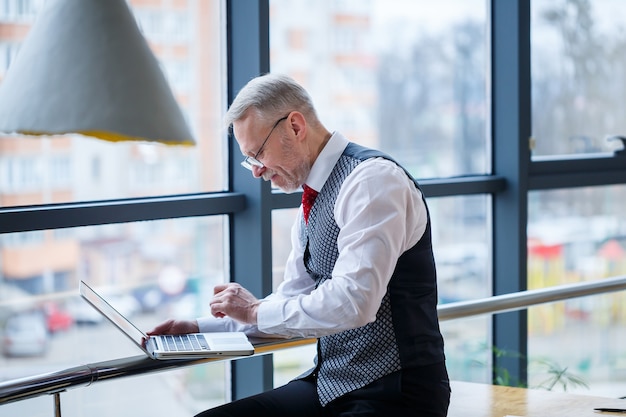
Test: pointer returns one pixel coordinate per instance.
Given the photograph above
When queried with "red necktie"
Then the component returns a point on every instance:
(308, 197)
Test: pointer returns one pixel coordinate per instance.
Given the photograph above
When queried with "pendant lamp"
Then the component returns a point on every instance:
(85, 68)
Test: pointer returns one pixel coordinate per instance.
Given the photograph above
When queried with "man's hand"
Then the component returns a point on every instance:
(234, 301)
(175, 327)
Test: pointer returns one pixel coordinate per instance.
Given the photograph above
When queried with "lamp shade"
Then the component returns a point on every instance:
(85, 68)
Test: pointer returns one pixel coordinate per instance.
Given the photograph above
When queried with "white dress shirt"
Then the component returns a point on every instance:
(380, 214)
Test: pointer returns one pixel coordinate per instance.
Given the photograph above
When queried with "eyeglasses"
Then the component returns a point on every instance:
(252, 161)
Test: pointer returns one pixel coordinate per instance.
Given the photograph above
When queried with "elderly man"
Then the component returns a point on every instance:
(360, 277)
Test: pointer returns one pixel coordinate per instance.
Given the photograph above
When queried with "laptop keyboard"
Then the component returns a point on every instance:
(185, 342)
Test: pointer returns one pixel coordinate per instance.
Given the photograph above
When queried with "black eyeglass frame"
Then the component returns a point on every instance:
(251, 161)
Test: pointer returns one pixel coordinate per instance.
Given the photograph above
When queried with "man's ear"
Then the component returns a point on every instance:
(298, 125)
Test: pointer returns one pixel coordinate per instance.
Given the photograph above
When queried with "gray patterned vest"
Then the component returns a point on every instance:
(406, 331)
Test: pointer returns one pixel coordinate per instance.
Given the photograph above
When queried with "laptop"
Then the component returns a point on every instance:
(185, 346)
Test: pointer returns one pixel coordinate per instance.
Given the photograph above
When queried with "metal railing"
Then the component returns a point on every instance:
(523, 299)
(55, 383)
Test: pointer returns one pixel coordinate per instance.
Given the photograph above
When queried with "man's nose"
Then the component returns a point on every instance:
(257, 172)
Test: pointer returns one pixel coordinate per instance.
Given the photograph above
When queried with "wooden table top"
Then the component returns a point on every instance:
(483, 400)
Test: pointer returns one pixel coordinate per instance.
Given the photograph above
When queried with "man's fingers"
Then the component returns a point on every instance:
(234, 301)
(231, 287)
(219, 288)
(174, 327)
(216, 309)
(162, 328)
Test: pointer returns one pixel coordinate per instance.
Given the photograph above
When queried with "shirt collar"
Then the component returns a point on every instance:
(326, 161)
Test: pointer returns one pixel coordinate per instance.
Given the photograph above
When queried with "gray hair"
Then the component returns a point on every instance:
(271, 96)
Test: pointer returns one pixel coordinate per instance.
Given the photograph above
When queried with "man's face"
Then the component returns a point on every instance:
(276, 147)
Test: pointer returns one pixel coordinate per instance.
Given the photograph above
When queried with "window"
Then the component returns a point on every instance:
(60, 170)
(149, 271)
(134, 169)
(575, 227)
(407, 78)
(21, 173)
(419, 95)
(578, 76)
(18, 11)
(578, 235)
(8, 51)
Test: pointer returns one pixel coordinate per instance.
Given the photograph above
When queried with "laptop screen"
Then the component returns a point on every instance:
(112, 314)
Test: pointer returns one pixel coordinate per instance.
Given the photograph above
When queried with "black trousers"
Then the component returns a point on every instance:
(423, 392)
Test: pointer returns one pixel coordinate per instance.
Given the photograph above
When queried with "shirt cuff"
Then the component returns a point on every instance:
(211, 324)
(270, 318)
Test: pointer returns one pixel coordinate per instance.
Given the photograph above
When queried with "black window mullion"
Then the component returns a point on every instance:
(511, 132)
(56, 216)
(577, 171)
(250, 229)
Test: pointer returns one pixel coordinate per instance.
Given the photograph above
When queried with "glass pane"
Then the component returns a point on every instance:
(463, 273)
(186, 37)
(578, 77)
(406, 77)
(288, 363)
(157, 394)
(577, 235)
(35, 407)
(184, 392)
(461, 243)
(149, 271)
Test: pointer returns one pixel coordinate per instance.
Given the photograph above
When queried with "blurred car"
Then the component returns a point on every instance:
(57, 319)
(149, 298)
(127, 305)
(25, 334)
(83, 313)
